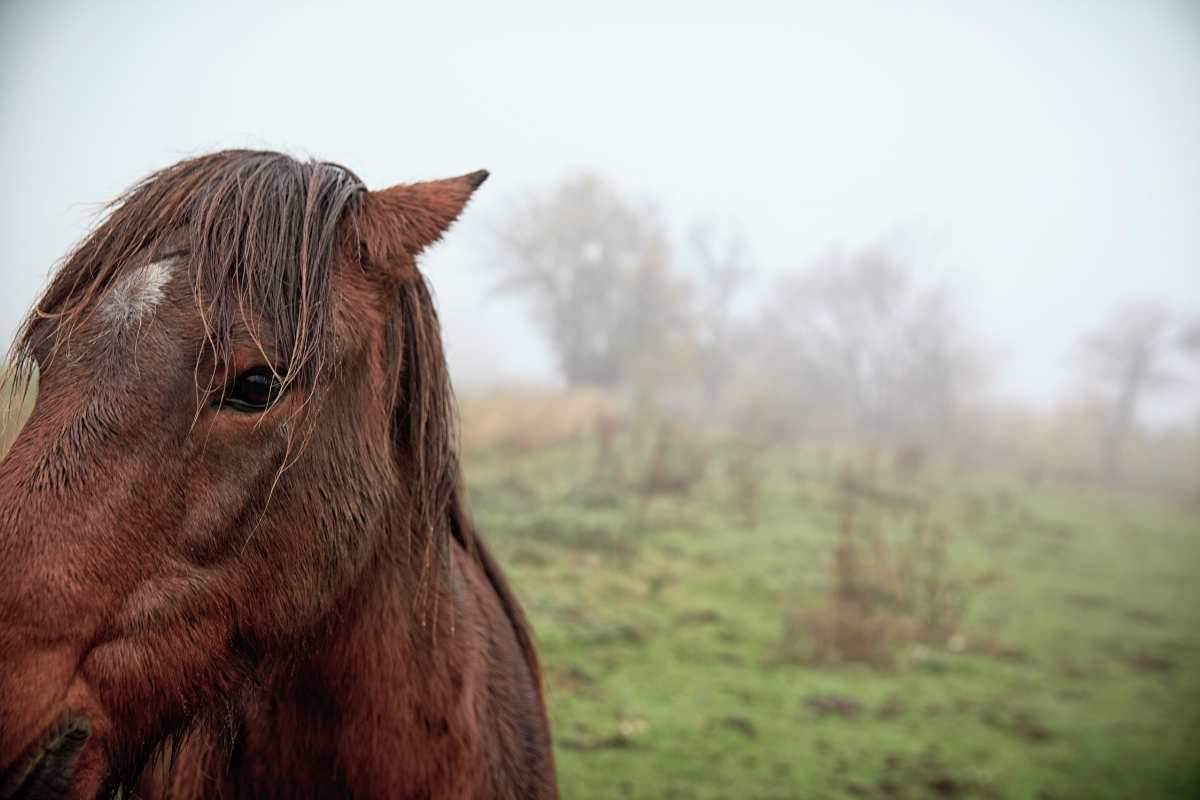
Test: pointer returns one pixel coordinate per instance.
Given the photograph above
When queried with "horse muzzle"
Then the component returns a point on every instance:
(46, 770)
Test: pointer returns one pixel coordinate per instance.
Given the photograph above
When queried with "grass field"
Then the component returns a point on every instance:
(1069, 668)
(1074, 671)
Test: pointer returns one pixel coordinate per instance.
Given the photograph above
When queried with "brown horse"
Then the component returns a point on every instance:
(235, 554)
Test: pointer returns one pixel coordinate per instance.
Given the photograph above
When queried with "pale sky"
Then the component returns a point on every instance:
(1044, 157)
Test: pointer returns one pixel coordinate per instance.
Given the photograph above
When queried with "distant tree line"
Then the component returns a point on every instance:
(853, 344)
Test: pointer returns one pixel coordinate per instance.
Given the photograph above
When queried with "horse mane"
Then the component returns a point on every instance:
(261, 232)
(463, 530)
(424, 425)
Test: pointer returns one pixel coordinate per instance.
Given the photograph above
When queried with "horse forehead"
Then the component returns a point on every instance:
(135, 297)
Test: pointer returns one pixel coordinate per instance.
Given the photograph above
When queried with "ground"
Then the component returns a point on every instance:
(1074, 671)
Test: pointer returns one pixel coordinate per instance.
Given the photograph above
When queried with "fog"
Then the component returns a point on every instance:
(1044, 161)
(828, 378)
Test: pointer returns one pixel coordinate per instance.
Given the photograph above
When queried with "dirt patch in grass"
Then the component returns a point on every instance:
(571, 680)
(705, 616)
(1143, 617)
(615, 633)
(1156, 663)
(1021, 723)
(740, 724)
(1074, 669)
(585, 744)
(889, 709)
(924, 777)
(833, 705)
(995, 648)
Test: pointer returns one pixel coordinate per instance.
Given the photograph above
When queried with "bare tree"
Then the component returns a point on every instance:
(596, 271)
(827, 331)
(938, 367)
(1189, 338)
(855, 339)
(1125, 357)
(723, 271)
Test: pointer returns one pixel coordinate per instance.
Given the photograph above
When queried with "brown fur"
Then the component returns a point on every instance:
(288, 604)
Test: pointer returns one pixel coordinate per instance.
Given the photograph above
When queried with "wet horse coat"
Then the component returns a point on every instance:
(236, 558)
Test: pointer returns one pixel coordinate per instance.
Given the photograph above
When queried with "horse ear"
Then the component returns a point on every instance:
(409, 217)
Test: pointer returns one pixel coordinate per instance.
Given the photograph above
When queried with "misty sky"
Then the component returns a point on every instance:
(1043, 157)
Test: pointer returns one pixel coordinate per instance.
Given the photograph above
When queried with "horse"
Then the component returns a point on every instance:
(236, 554)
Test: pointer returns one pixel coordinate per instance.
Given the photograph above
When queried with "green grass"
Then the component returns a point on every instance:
(660, 630)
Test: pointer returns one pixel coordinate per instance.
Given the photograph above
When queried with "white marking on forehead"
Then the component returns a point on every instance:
(136, 296)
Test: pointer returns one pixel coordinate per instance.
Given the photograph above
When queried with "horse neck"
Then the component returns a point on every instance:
(392, 676)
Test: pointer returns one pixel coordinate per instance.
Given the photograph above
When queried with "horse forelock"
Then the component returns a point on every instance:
(257, 232)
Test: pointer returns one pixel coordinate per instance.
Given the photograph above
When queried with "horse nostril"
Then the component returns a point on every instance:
(46, 772)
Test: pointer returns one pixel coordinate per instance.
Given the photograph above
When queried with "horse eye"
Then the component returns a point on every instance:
(254, 391)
